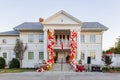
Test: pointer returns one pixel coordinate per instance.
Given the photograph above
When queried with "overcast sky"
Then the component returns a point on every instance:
(107, 12)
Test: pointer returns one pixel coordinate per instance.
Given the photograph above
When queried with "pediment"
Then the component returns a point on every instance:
(62, 18)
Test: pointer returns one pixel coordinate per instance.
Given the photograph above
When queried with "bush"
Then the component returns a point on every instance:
(14, 63)
(105, 69)
(2, 63)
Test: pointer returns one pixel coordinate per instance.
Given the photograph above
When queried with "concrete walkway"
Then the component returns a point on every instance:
(57, 75)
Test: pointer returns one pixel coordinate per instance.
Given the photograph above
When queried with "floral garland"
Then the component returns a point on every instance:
(73, 47)
(50, 61)
(50, 48)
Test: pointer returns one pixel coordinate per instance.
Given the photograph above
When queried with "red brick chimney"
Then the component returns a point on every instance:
(41, 20)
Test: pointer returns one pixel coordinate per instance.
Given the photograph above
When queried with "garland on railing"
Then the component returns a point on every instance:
(73, 48)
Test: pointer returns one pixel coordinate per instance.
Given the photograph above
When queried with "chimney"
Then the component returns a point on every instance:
(41, 20)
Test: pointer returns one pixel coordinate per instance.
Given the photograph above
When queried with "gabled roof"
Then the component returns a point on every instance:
(29, 26)
(64, 13)
(10, 33)
(93, 26)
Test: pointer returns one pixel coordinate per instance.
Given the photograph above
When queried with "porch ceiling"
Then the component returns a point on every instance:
(62, 32)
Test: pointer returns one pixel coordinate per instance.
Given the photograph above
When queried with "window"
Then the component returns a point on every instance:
(4, 41)
(82, 38)
(92, 38)
(92, 55)
(30, 55)
(30, 38)
(82, 55)
(41, 38)
(41, 55)
(4, 55)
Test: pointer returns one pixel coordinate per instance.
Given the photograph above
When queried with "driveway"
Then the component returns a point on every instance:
(60, 76)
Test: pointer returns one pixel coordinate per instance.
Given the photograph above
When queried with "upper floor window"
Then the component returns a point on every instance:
(82, 38)
(30, 55)
(30, 38)
(41, 55)
(93, 38)
(4, 55)
(4, 41)
(41, 38)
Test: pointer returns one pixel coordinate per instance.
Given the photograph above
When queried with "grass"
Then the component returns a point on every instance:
(16, 70)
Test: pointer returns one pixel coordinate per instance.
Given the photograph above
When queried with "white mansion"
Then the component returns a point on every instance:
(35, 35)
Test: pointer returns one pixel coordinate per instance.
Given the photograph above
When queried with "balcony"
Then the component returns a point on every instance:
(65, 45)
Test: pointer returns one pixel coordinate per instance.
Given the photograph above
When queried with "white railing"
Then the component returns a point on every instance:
(58, 46)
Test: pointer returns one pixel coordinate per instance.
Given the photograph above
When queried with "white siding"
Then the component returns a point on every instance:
(8, 47)
(62, 19)
(34, 47)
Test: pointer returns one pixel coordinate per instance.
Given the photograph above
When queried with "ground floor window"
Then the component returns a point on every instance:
(82, 55)
(4, 55)
(30, 55)
(92, 55)
(41, 55)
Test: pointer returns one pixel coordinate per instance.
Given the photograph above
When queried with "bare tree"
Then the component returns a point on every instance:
(19, 49)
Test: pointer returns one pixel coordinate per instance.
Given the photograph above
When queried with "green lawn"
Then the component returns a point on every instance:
(16, 70)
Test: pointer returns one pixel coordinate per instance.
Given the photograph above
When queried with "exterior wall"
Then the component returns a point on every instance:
(87, 47)
(34, 47)
(8, 47)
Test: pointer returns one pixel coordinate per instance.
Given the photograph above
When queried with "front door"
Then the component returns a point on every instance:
(62, 56)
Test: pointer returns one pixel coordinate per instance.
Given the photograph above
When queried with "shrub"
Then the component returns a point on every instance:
(2, 63)
(14, 63)
(105, 69)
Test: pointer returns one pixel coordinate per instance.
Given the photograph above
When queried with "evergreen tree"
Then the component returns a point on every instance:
(115, 49)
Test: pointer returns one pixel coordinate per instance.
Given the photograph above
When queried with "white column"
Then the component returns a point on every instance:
(58, 39)
(78, 45)
(45, 45)
(66, 43)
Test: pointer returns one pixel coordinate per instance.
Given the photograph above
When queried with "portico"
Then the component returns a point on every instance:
(62, 25)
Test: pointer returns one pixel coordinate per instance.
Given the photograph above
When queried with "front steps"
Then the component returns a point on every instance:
(62, 67)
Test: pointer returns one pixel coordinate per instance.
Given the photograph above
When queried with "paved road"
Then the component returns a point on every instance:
(60, 76)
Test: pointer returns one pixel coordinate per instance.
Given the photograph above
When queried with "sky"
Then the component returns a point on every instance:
(107, 12)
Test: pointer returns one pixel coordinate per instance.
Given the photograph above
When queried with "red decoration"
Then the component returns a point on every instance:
(50, 47)
(109, 52)
(41, 20)
(73, 47)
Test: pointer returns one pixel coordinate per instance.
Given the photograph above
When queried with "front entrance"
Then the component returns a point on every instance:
(61, 56)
